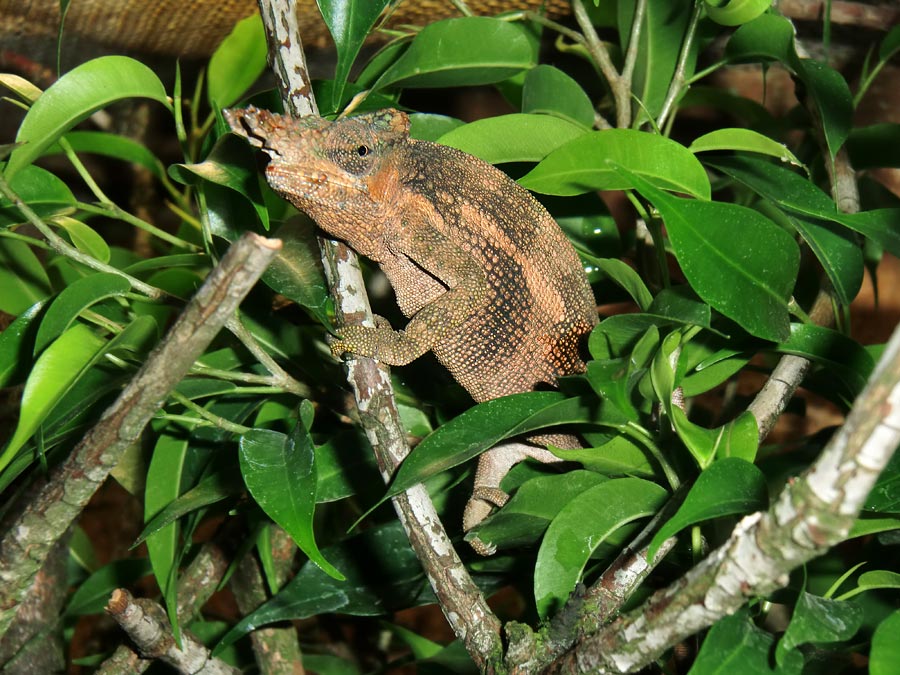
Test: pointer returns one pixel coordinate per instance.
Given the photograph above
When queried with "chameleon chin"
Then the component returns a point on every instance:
(487, 278)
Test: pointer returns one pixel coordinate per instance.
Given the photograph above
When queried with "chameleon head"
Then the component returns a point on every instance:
(334, 171)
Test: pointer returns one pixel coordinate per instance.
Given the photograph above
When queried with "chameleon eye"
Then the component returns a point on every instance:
(363, 150)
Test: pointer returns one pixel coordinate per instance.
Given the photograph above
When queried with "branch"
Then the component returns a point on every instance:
(42, 521)
(812, 514)
(462, 603)
(145, 623)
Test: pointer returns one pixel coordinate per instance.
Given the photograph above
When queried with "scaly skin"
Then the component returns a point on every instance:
(487, 278)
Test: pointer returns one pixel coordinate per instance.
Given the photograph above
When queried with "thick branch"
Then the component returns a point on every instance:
(145, 623)
(461, 601)
(812, 514)
(43, 520)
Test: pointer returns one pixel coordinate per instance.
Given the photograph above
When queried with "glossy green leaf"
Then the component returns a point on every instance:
(735, 646)
(680, 305)
(743, 139)
(21, 87)
(349, 22)
(75, 96)
(84, 238)
(210, 490)
(661, 38)
(342, 467)
(729, 487)
(791, 192)
(93, 594)
(41, 190)
(231, 165)
(586, 164)
(516, 137)
(522, 521)
(114, 146)
(57, 369)
(841, 257)
(430, 127)
(768, 37)
(874, 580)
(385, 548)
(15, 345)
(833, 100)
(885, 652)
(237, 62)
(626, 278)
(736, 259)
(582, 525)
(296, 272)
(482, 427)
(280, 472)
(840, 354)
(548, 90)
(73, 300)
(817, 620)
(735, 12)
(620, 456)
(468, 51)
(885, 495)
(864, 526)
(738, 438)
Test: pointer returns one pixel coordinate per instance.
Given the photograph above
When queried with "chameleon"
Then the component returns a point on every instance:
(489, 282)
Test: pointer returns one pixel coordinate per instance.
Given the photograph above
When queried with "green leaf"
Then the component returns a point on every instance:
(296, 272)
(550, 91)
(41, 190)
(384, 549)
(114, 146)
(93, 594)
(874, 580)
(885, 496)
(626, 278)
(22, 277)
(230, 164)
(75, 96)
(54, 373)
(738, 438)
(885, 652)
(839, 354)
(768, 37)
(743, 139)
(735, 646)
(841, 257)
(482, 427)
(73, 300)
(793, 193)
(890, 44)
(214, 488)
(620, 456)
(15, 343)
(833, 100)
(455, 52)
(349, 22)
(430, 127)
(516, 137)
(522, 521)
(587, 163)
(735, 12)
(237, 62)
(582, 525)
(84, 238)
(818, 620)
(21, 87)
(729, 487)
(736, 259)
(280, 472)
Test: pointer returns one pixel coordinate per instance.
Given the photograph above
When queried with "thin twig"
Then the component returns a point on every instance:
(37, 525)
(462, 603)
(600, 54)
(146, 624)
(676, 86)
(280, 377)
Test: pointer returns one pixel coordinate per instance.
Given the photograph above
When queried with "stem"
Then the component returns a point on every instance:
(678, 79)
(112, 210)
(63, 247)
(280, 377)
(621, 90)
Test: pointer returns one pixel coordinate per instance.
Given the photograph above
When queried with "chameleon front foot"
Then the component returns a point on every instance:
(381, 342)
